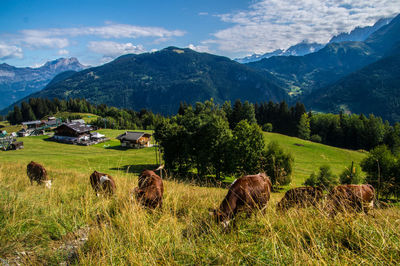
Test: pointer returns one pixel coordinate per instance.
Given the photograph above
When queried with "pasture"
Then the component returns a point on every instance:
(69, 224)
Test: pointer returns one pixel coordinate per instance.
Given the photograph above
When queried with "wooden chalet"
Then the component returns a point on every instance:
(72, 132)
(134, 139)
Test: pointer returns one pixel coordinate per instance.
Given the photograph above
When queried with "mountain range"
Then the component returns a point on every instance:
(350, 76)
(305, 47)
(16, 83)
(161, 80)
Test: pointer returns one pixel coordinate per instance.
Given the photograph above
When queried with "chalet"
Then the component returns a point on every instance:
(77, 133)
(72, 132)
(134, 139)
(33, 124)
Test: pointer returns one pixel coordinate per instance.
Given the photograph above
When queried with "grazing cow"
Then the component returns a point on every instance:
(350, 198)
(245, 194)
(150, 189)
(38, 173)
(102, 183)
(300, 197)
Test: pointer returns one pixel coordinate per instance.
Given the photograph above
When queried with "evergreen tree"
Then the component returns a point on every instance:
(303, 128)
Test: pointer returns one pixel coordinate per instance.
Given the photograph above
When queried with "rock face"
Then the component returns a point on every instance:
(16, 83)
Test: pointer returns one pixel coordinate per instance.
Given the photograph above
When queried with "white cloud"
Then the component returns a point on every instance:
(10, 51)
(63, 52)
(107, 31)
(273, 24)
(113, 49)
(203, 13)
(199, 48)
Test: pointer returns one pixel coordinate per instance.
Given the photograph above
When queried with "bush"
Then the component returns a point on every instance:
(324, 178)
(316, 138)
(267, 127)
(351, 175)
(277, 164)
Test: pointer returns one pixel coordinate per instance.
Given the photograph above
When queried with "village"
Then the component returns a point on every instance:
(76, 132)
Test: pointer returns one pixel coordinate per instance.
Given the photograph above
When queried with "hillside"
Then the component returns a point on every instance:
(334, 61)
(70, 225)
(308, 155)
(159, 81)
(16, 83)
(373, 89)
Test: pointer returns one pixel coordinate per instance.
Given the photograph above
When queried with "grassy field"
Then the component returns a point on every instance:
(70, 224)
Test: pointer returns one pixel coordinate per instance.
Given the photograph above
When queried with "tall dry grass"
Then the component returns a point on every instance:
(37, 221)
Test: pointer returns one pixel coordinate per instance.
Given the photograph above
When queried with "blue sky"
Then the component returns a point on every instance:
(33, 31)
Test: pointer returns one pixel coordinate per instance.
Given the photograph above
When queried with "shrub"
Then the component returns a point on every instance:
(267, 127)
(351, 175)
(324, 178)
(316, 138)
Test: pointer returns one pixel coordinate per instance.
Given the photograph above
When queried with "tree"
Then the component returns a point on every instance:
(380, 169)
(277, 164)
(303, 128)
(324, 178)
(247, 147)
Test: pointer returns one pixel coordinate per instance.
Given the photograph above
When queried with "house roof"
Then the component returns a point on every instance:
(78, 121)
(78, 127)
(132, 136)
(32, 122)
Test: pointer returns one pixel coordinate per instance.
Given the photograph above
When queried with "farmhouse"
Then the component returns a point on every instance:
(134, 139)
(77, 133)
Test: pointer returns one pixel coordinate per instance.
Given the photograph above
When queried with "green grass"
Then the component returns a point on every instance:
(39, 222)
(84, 159)
(309, 156)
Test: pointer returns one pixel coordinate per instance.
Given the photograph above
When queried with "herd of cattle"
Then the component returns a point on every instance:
(246, 194)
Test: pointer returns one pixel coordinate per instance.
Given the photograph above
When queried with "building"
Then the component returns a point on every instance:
(77, 133)
(134, 139)
(73, 133)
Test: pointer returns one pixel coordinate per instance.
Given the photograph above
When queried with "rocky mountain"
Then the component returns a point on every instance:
(336, 60)
(304, 48)
(299, 49)
(360, 34)
(16, 83)
(161, 80)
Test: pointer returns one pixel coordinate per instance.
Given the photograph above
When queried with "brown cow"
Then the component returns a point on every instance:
(300, 197)
(102, 183)
(38, 173)
(150, 189)
(350, 198)
(245, 194)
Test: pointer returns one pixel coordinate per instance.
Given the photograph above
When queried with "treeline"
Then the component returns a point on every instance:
(110, 117)
(342, 130)
(211, 141)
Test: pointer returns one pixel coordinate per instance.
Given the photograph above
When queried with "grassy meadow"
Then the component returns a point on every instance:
(69, 224)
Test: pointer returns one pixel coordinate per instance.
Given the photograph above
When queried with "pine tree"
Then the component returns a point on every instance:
(303, 128)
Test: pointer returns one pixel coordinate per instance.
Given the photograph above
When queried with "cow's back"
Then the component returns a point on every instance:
(36, 172)
(352, 197)
(150, 189)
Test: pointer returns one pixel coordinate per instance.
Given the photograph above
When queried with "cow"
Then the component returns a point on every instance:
(36, 172)
(351, 198)
(150, 190)
(300, 197)
(247, 194)
(102, 183)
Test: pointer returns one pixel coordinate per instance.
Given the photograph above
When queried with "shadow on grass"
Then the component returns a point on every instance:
(136, 169)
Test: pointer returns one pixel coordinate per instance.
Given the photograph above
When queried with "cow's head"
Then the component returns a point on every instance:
(219, 217)
(47, 183)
